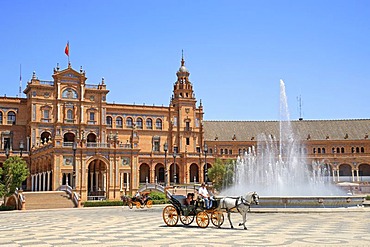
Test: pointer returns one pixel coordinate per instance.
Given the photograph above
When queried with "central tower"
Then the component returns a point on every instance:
(186, 118)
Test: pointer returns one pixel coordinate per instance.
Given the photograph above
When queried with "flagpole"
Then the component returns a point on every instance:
(69, 62)
(20, 81)
(66, 51)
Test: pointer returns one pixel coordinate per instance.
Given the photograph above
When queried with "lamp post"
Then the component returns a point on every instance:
(21, 147)
(174, 167)
(165, 148)
(7, 152)
(205, 149)
(74, 148)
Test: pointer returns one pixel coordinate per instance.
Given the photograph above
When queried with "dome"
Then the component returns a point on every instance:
(183, 69)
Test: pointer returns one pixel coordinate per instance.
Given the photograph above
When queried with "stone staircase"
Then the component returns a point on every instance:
(47, 200)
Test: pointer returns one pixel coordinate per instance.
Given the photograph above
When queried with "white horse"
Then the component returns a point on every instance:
(241, 204)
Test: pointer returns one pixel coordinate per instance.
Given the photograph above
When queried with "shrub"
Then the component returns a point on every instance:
(6, 208)
(156, 195)
(102, 203)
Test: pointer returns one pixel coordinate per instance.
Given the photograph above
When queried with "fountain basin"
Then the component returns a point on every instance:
(310, 201)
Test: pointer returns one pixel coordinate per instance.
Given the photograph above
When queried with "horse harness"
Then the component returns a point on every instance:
(239, 201)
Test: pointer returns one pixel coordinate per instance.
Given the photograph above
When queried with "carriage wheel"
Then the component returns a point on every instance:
(187, 220)
(202, 219)
(170, 215)
(217, 218)
(138, 204)
(130, 205)
(149, 204)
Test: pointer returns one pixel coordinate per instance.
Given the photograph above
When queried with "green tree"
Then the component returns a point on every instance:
(221, 173)
(13, 173)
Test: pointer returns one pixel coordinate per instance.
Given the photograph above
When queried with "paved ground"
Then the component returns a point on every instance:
(116, 226)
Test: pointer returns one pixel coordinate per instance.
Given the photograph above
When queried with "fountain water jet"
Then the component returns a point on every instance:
(278, 165)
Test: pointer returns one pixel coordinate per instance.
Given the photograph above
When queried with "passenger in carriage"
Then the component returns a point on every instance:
(203, 193)
(189, 204)
(189, 201)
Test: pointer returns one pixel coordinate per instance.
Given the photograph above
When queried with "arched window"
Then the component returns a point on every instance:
(129, 122)
(319, 150)
(109, 121)
(338, 150)
(158, 124)
(323, 150)
(45, 137)
(119, 122)
(362, 150)
(357, 149)
(139, 123)
(69, 114)
(1, 117)
(314, 150)
(11, 117)
(342, 150)
(91, 118)
(149, 123)
(69, 93)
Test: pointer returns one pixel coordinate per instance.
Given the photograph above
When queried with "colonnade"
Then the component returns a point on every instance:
(124, 178)
(41, 181)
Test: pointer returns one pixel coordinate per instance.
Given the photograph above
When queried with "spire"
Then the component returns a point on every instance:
(182, 58)
(183, 69)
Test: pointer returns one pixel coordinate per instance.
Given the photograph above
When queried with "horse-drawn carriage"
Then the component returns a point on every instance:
(141, 201)
(187, 213)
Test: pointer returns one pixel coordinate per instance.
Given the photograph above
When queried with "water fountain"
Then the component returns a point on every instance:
(278, 170)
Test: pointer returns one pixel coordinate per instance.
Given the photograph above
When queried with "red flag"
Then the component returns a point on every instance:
(66, 50)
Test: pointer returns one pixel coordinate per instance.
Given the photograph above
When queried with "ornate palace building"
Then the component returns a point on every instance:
(69, 134)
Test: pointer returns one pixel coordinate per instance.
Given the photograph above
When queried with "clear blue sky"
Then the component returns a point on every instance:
(236, 51)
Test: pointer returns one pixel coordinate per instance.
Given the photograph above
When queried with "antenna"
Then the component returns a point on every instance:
(299, 99)
(20, 81)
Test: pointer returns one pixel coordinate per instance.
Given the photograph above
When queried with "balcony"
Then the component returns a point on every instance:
(50, 83)
(97, 145)
(91, 86)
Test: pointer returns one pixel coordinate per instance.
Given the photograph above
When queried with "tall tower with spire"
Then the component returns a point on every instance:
(186, 117)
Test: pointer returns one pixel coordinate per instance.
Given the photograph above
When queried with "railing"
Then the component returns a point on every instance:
(67, 144)
(69, 120)
(21, 199)
(128, 146)
(96, 196)
(188, 129)
(75, 197)
(91, 86)
(50, 83)
(97, 145)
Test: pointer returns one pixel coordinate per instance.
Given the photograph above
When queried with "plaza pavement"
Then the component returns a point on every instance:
(117, 226)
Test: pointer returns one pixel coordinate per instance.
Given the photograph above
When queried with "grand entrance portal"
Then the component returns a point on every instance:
(97, 180)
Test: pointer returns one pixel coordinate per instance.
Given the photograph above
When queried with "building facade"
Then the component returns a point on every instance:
(69, 134)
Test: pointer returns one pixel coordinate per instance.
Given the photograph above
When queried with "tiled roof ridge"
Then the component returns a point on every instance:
(304, 120)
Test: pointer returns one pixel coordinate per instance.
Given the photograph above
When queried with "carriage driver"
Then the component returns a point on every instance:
(203, 192)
